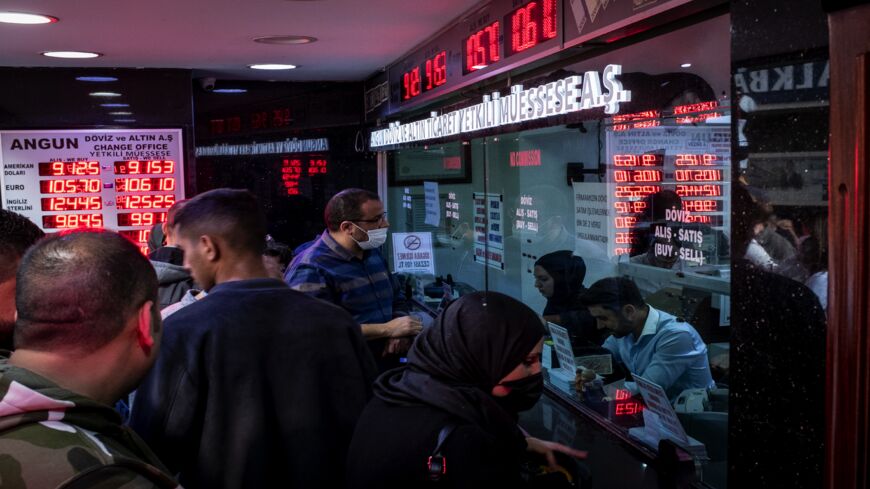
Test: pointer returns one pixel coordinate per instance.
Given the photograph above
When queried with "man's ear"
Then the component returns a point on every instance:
(628, 312)
(144, 333)
(210, 248)
(346, 226)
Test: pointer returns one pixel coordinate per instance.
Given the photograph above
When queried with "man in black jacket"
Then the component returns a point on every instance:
(17, 234)
(257, 385)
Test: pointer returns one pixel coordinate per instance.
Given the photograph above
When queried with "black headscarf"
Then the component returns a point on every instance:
(568, 272)
(454, 364)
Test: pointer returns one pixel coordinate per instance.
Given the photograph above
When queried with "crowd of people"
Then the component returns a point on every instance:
(241, 379)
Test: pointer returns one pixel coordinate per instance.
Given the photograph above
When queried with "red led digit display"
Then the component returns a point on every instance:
(145, 201)
(702, 205)
(696, 160)
(137, 236)
(637, 176)
(69, 221)
(624, 406)
(65, 168)
(144, 167)
(699, 107)
(147, 184)
(625, 238)
(72, 204)
(140, 218)
(638, 160)
(635, 207)
(625, 222)
(482, 48)
(530, 25)
(699, 190)
(291, 170)
(626, 191)
(698, 175)
(317, 167)
(434, 70)
(72, 186)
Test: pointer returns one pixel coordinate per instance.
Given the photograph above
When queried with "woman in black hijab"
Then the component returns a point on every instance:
(475, 369)
(559, 277)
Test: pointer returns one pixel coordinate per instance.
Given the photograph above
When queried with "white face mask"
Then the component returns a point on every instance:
(377, 237)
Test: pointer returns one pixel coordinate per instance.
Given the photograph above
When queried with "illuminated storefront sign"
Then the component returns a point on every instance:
(571, 94)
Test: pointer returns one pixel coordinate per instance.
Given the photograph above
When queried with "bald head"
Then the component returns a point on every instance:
(76, 290)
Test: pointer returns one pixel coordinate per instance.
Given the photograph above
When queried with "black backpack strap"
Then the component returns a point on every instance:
(437, 463)
(92, 476)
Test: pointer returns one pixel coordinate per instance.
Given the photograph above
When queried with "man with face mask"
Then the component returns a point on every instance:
(344, 266)
(649, 343)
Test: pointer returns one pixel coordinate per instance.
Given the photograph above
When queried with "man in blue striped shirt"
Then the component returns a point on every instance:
(344, 266)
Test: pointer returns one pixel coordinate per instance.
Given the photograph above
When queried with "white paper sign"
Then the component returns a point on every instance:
(656, 400)
(412, 253)
(488, 230)
(562, 344)
(433, 204)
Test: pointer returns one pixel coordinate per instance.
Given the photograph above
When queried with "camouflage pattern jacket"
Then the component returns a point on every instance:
(53, 438)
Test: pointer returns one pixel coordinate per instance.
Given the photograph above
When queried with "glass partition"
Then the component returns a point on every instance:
(543, 214)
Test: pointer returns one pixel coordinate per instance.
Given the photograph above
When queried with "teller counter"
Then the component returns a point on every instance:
(616, 459)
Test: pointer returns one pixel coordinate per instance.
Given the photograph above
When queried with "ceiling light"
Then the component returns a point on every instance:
(19, 18)
(120, 113)
(273, 66)
(229, 90)
(686, 65)
(285, 39)
(125, 120)
(478, 67)
(71, 54)
(114, 105)
(97, 79)
(104, 94)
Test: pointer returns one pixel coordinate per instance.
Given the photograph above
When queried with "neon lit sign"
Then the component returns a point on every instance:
(624, 122)
(570, 94)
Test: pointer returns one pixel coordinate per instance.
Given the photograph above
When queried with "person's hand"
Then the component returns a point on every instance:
(546, 448)
(398, 346)
(785, 224)
(404, 326)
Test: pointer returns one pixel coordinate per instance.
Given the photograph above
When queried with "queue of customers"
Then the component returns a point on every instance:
(251, 381)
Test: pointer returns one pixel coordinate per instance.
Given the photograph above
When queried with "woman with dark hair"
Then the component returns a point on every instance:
(559, 277)
(456, 403)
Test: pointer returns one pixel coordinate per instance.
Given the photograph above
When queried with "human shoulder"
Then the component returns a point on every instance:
(57, 454)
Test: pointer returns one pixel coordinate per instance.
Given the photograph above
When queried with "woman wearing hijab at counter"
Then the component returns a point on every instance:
(476, 368)
(559, 277)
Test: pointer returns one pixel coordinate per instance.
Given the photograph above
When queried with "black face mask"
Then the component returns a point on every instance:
(524, 393)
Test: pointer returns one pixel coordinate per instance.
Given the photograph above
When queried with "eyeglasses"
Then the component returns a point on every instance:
(375, 220)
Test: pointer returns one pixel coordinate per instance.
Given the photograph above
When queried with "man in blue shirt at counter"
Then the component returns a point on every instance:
(344, 266)
(650, 343)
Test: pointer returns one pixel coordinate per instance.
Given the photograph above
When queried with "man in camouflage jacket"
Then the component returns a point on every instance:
(88, 329)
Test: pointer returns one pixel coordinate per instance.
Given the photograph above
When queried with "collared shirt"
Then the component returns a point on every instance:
(668, 352)
(327, 271)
